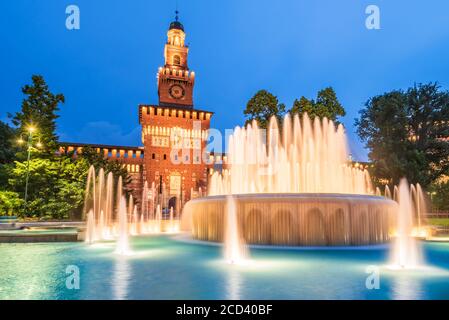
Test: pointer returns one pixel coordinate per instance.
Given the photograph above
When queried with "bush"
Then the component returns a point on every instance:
(10, 203)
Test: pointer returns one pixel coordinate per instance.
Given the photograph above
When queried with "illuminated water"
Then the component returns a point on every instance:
(406, 251)
(162, 268)
(303, 156)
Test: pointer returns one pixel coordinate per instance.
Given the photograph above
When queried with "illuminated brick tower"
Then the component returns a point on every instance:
(174, 133)
(175, 82)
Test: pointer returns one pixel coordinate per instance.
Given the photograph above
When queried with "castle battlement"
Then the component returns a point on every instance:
(175, 73)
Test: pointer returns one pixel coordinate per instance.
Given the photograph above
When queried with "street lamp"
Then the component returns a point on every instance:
(30, 130)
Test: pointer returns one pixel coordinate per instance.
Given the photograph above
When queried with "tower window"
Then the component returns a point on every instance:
(165, 157)
(176, 60)
(153, 156)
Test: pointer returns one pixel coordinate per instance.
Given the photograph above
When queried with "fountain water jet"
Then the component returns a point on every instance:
(122, 246)
(405, 253)
(235, 250)
(101, 230)
(90, 230)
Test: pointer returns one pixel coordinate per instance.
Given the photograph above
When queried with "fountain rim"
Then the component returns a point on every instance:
(297, 196)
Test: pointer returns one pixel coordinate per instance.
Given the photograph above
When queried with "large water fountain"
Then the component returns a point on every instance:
(110, 216)
(292, 186)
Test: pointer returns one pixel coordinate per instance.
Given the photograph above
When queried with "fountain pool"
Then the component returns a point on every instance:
(162, 267)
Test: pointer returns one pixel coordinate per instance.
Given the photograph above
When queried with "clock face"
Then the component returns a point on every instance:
(176, 91)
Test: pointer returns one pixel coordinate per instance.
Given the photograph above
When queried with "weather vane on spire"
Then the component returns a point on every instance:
(177, 11)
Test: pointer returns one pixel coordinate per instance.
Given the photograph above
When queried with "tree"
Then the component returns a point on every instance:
(8, 149)
(56, 183)
(440, 196)
(407, 134)
(262, 106)
(325, 105)
(7, 140)
(10, 203)
(39, 110)
(56, 186)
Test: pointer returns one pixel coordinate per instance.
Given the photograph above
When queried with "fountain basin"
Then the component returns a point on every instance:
(295, 219)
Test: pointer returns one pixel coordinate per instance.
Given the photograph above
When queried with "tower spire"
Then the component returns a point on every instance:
(176, 12)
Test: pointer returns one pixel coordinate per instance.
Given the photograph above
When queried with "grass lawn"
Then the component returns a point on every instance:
(438, 222)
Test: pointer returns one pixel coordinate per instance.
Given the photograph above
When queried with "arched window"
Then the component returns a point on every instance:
(176, 60)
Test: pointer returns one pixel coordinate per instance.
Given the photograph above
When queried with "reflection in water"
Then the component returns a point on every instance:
(406, 288)
(234, 285)
(122, 275)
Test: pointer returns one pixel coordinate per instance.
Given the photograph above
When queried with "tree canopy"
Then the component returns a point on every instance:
(407, 134)
(56, 186)
(325, 105)
(262, 106)
(8, 139)
(39, 109)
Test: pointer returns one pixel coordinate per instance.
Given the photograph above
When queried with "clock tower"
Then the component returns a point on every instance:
(174, 133)
(175, 80)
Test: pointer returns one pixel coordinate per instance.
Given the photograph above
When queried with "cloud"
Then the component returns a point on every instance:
(103, 132)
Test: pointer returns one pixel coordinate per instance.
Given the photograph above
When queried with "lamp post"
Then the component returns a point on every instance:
(31, 129)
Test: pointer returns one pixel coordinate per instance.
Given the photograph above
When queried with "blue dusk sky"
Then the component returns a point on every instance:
(289, 47)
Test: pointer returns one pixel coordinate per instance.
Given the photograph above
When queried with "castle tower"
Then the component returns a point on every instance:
(174, 133)
(175, 81)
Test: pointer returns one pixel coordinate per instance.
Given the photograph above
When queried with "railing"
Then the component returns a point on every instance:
(437, 215)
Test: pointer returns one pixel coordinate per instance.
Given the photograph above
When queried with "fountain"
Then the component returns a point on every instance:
(107, 214)
(295, 187)
(90, 229)
(122, 241)
(101, 226)
(234, 249)
(405, 253)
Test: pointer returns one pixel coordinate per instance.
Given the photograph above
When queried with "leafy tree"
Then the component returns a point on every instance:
(325, 105)
(10, 203)
(39, 110)
(262, 106)
(7, 146)
(55, 188)
(440, 196)
(8, 149)
(407, 134)
(57, 184)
